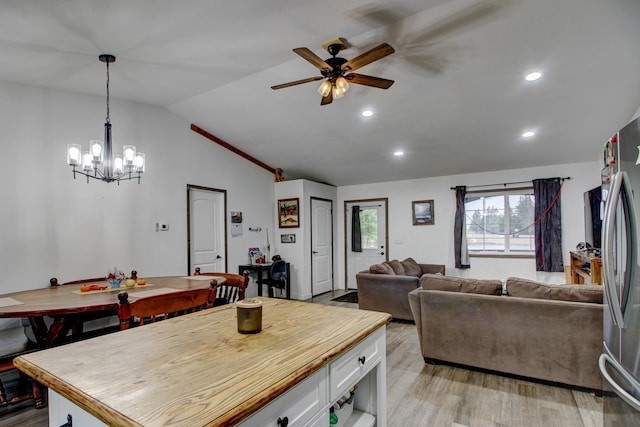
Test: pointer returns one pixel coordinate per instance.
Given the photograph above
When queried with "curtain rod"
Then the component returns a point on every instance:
(504, 184)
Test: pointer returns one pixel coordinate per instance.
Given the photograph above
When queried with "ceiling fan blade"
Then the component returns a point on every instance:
(361, 79)
(297, 82)
(327, 99)
(314, 59)
(368, 57)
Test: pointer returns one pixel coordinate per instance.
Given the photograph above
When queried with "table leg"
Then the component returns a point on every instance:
(259, 282)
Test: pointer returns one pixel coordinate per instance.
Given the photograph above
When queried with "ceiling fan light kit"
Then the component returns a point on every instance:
(337, 72)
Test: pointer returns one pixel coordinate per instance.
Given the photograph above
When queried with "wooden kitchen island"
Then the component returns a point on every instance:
(197, 370)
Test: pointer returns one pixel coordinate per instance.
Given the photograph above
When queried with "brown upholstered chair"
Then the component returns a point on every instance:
(233, 288)
(159, 307)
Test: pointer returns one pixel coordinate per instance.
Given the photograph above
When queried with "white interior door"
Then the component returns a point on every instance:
(207, 248)
(321, 246)
(373, 226)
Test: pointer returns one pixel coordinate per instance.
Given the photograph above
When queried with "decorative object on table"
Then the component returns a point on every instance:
(255, 254)
(289, 213)
(249, 313)
(287, 238)
(115, 277)
(99, 162)
(423, 212)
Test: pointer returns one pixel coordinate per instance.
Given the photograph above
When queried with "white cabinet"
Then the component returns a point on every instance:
(60, 408)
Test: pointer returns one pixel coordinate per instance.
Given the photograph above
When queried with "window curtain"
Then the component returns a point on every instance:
(548, 227)
(356, 234)
(460, 230)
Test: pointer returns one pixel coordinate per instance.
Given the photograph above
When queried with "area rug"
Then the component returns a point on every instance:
(349, 297)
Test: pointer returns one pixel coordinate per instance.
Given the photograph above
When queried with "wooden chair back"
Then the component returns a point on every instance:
(159, 307)
(232, 290)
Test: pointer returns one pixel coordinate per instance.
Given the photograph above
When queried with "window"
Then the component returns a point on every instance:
(500, 222)
(369, 228)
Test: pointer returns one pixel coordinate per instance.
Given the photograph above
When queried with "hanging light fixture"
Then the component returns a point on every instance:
(99, 162)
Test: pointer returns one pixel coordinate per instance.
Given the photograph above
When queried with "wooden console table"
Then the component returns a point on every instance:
(591, 274)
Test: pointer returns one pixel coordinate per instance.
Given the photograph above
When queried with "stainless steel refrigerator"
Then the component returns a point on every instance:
(620, 361)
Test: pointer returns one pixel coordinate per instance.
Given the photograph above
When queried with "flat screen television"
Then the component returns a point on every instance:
(593, 212)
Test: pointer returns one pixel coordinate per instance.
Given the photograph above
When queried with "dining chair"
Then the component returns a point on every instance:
(163, 306)
(231, 290)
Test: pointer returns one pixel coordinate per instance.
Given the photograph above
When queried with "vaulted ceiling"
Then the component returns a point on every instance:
(459, 103)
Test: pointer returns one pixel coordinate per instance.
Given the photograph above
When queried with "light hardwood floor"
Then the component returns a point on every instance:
(439, 395)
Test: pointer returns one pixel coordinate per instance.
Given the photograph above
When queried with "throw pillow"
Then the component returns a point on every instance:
(397, 267)
(411, 267)
(438, 282)
(381, 269)
(524, 288)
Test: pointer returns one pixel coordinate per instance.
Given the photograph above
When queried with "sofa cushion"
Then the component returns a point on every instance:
(411, 267)
(397, 267)
(438, 282)
(524, 288)
(383, 268)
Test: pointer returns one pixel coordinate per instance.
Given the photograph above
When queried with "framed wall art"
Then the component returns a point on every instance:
(422, 212)
(289, 213)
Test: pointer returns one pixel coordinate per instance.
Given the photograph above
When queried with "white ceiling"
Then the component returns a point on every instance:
(459, 103)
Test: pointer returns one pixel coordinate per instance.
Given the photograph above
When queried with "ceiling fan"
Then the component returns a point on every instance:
(336, 72)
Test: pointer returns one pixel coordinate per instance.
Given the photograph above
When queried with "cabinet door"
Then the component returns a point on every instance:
(59, 408)
(296, 407)
(347, 370)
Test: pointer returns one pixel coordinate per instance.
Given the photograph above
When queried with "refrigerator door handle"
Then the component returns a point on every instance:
(629, 287)
(624, 395)
(608, 224)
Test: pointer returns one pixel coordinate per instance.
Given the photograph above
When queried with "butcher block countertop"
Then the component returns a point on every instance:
(197, 370)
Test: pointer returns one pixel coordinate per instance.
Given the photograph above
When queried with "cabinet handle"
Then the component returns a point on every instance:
(283, 422)
(69, 422)
(361, 359)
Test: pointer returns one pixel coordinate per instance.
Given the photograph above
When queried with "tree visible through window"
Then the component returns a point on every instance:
(500, 222)
(369, 228)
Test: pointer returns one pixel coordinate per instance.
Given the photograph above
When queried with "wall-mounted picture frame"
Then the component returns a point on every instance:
(423, 213)
(287, 238)
(289, 213)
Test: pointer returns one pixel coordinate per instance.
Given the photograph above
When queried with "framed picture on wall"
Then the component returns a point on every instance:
(422, 212)
(289, 213)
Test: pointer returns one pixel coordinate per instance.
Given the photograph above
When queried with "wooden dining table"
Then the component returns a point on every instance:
(68, 306)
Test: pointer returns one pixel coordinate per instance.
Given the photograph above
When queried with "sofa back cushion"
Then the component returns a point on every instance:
(397, 267)
(524, 288)
(383, 268)
(438, 282)
(411, 267)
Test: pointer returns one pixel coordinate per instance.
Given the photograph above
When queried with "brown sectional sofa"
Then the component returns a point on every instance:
(385, 287)
(536, 330)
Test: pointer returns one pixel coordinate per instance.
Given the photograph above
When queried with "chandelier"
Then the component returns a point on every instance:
(99, 162)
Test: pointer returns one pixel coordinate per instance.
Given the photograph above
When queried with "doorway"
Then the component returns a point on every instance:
(321, 246)
(374, 226)
(206, 229)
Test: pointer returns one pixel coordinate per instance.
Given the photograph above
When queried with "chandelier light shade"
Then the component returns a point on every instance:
(99, 162)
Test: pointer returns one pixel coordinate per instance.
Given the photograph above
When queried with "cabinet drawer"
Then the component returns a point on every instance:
(298, 405)
(347, 370)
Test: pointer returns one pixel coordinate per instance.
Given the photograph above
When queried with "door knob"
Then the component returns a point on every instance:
(314, 252)
(218, 257)
(380, 253)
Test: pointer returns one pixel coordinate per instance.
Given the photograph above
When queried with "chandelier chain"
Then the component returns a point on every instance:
(108, 117)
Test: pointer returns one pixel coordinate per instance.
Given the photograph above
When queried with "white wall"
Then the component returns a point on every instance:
(54, 226)
(434, 244)
(299, 253)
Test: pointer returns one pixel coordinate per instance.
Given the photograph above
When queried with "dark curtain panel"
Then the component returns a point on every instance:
(356, 236)
(548, 228)
(460, 230)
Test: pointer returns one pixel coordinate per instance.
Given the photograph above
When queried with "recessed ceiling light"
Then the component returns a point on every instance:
(528, 134)
(398, 153)
(367, 113)
(533, 76)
